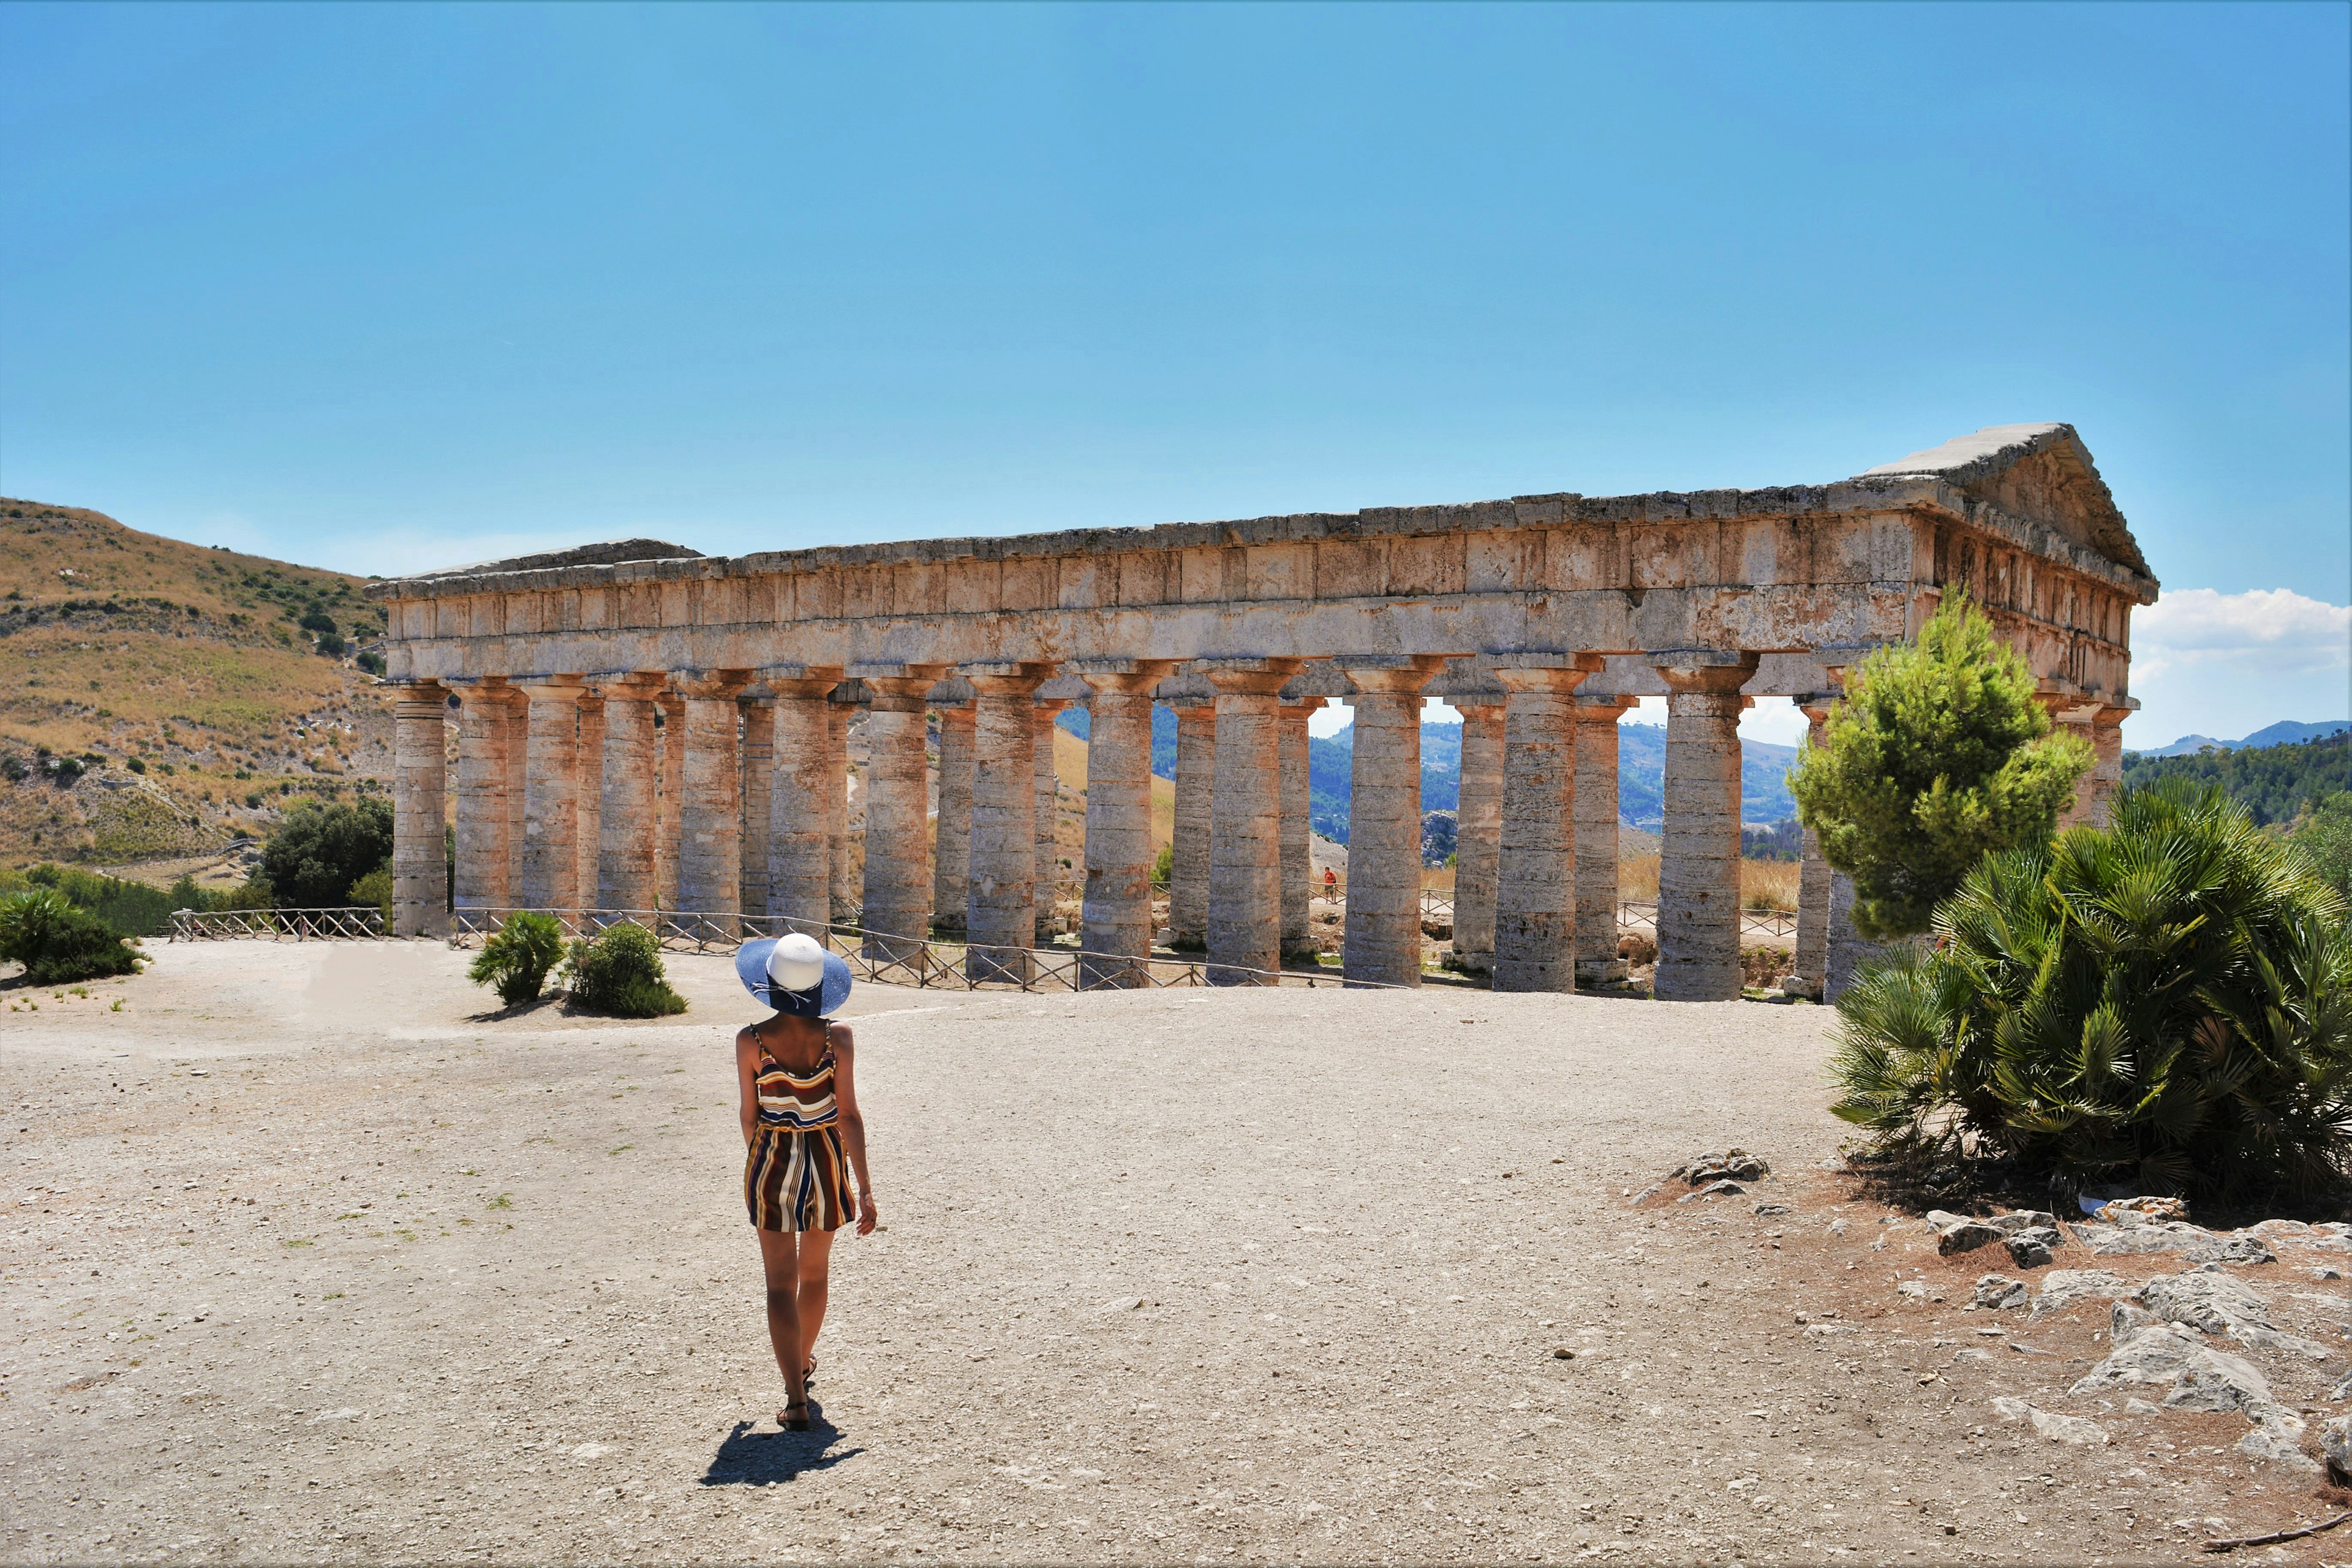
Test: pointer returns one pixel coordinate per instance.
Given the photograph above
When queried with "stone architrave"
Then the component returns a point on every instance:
(1478, 820)
(626, 821)
(999, 911)
(1114, 938)
(1382, 944)
(484, 822)
(951, 837)
(1597, 962)
(589, 825)
(1047, 844)
(897, 902)
(758, 799)
(1535, 882)
(1245, 820)
(668, 804)
(1811, 975)
(710, 812)
(550, 850)
(420, 874)
(1188, 867)
(806, 798)
(1297, 850)
(1699, 852)
(848, 886)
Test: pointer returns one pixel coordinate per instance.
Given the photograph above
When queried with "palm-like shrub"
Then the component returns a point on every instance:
(516, 960)
(58, 943)
(619, 971)
(2168, 1002)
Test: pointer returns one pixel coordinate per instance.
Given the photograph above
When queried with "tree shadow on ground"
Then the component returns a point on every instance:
(539, 1003)
(747, 1458)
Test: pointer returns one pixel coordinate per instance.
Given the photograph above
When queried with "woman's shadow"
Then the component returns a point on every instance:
(749, 1458)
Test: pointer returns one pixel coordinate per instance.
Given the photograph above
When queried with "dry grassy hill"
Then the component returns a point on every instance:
(160, 699)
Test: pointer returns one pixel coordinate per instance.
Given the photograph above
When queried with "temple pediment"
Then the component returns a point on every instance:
(611, 552)
(2042, 473)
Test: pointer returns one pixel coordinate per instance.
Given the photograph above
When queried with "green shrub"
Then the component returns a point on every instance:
(319, 851)
(2325, 835)
(130, 908)
(2168, 1002)
(375, 887)
(58, 944)
(619, 970)
(516, 960)
(1936, 755)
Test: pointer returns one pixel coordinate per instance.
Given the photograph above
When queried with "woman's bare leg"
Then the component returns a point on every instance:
(816, 1282)
(779, 1262)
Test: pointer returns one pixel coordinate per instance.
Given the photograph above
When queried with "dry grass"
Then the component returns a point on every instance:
(1763, 884)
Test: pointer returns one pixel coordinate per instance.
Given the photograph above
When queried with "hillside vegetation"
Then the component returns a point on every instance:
(2275, 784)
(159, 698)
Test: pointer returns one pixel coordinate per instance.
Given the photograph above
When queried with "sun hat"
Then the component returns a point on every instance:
(793, 974)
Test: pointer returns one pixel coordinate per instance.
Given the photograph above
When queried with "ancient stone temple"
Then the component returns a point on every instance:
(639, 726)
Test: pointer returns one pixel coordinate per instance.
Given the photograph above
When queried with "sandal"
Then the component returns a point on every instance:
(791, 1423)
(808, 1373)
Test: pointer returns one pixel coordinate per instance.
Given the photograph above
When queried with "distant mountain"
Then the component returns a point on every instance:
(2286, 733)
(2275, 783)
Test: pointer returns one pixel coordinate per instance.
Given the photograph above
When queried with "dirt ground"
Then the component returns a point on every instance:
(311, 1259)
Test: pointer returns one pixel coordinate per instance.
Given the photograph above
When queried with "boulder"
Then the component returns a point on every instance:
(2222, 1304)
(1714, 1189)
(1997, 1292)
(2335, 1442)
(2194, 1243)
(2057, 1429)
(1967, 1237)
(2029, 1248)
(2193, 1376)
(2061, 1287)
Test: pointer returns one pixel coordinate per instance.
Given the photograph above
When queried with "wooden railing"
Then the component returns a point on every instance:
(356, 923)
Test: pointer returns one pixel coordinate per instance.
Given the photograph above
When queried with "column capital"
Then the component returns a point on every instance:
(637, 686)
(709, 685)
(1703, 669)
(1247, 677)
(1035, 671)
(774, 674)
(1398, 675)
(1555, 679)
(1131, 676)
(552, 688)
(1600, 709)
(897, 687)
(421, 699)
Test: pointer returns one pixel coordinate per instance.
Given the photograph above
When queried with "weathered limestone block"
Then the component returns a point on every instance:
(550, 850)
(848, 888)
(484, 822)
(1478, 822)
(1245, 820)
(420, 875)
(806, 799)
(627, 819)
(1382, 944)
(668, 804)
(897, 904)
(589, 826)
(2097, 790)
(1698, 857)
(1046, 884)
(1597, 962)
(1534, 891)
(1848, 950)
(1298, 852)
(1188, 880)
(710, 817)
(757, 800)
(1000, 919)
(1115, 934)
(951, 837)
(518, 787)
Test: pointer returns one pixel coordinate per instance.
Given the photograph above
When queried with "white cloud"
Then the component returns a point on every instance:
(2225, 665)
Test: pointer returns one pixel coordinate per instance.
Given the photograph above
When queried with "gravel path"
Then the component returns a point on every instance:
(310, 1263)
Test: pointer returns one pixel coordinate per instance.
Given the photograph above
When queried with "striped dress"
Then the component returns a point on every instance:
(796, 1176)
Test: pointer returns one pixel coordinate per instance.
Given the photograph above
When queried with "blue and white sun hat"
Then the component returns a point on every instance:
(793, 974)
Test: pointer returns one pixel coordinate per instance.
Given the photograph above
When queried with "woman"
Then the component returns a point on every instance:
(803, 1136)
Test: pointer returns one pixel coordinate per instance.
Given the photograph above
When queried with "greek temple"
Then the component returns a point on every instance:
(1540, 618)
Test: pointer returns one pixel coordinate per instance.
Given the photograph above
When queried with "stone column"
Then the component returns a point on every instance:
(758, 797)
(624, 878)
(1535, 879)
(1384, 932)
(1477, 823)
(1597, 962)
(673, 792)
(2105, 733)
(1116, 934)
(1848, 950)
(1246, 819)
(517, 790)
(847, 890)
(485, 853)
(1000, 910)
(1298, 852)
(551, 849)
(710, 805)
(952, 838)
(897, 902)
(1812, 955)
(1188, 874)
(1047, 842)
(1698, 854)
(420, 868)
(808, 798)
(590, 825)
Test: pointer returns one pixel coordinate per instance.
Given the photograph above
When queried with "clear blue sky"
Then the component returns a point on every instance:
(385, 288)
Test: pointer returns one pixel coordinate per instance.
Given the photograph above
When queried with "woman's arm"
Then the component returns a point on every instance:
(852, 1124)
(747, 1082)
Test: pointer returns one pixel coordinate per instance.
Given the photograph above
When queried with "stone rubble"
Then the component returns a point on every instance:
(1998, 1292)
(2057, 1429)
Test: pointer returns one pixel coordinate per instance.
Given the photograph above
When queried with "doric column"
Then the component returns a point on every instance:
(624, 878)
(1478, 820)
(1597, 962)
(710, 805)
(2105, 733)
(1047, 844)
(1813, 873)
(589, 829)
(518, 791)
(1297, 851)
(897, 902)
(807, 797)
(1535, 879)
(551, 849)
(485, 821)
(673, 794)
(1698, 854)
(1116, 930)
(1188, 860)
(951, 837)
(758, 801)
(1246, 819)
(1383, 932)
(847, 889)
(999, 911)
(1848, 949)
(420, 868)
